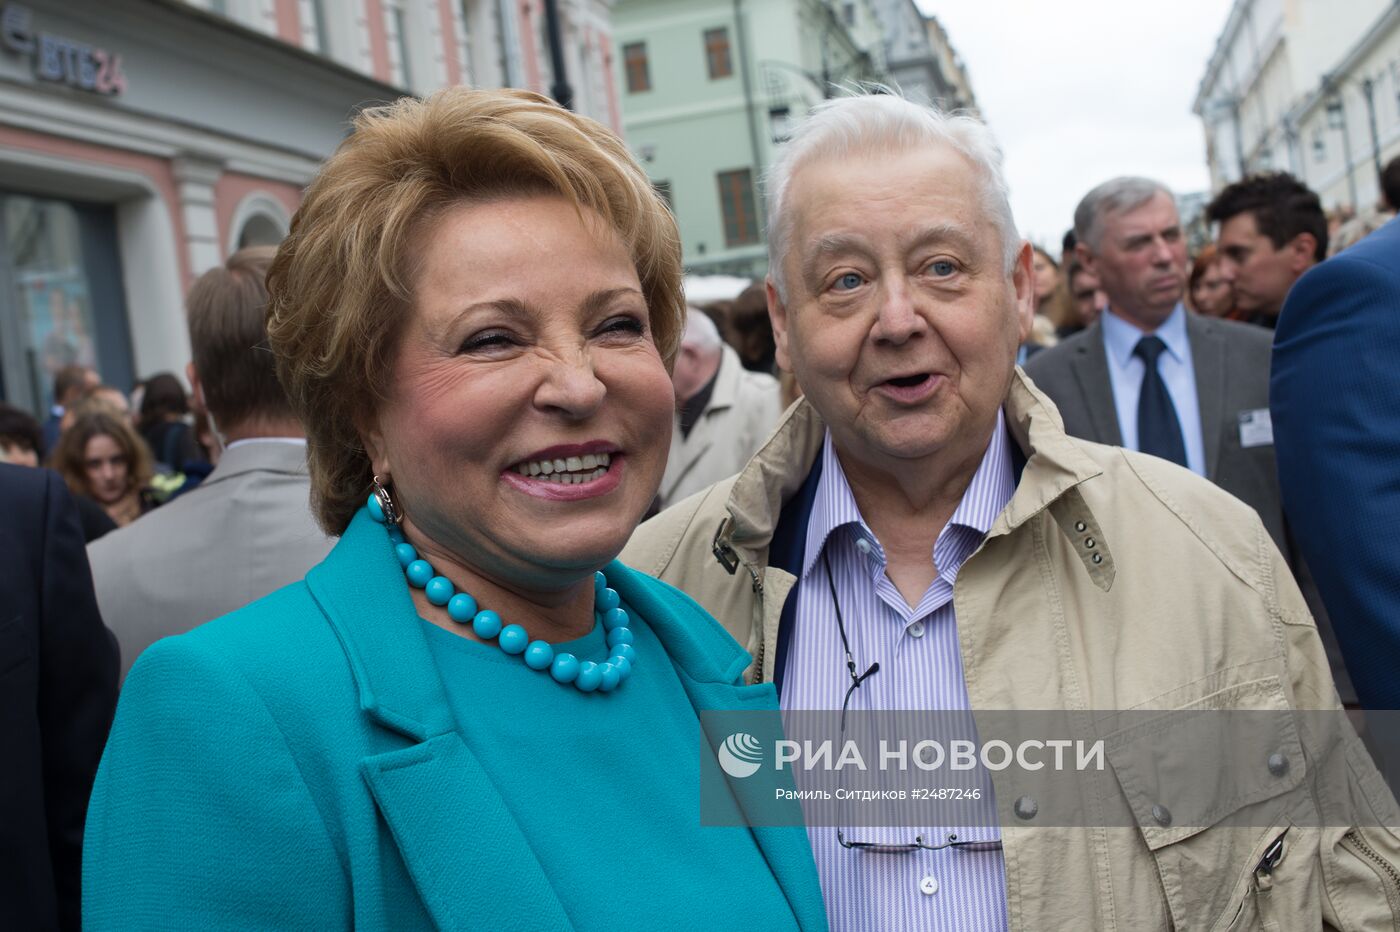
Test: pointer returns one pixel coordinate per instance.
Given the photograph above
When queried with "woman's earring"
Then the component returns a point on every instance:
(381, 506)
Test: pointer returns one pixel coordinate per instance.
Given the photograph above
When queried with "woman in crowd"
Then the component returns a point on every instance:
(1207, 289)
(1046, 272)
(164, 407)
(470, 715)
(101, 457)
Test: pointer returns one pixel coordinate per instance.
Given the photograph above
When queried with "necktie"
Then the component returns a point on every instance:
(1159, 431)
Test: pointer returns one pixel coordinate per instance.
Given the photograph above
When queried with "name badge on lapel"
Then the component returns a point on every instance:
(1256, 428)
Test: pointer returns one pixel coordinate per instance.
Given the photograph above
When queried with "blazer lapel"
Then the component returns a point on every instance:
(443, 812)
(1208, 360)
(711, 666)
(1091, 372)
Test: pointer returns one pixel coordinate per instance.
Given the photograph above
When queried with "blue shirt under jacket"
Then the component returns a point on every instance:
(298, 764)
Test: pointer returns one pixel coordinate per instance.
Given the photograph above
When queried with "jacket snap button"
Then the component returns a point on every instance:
(1080, 526)
(1026, 808)
(1097, 558)
(1278, 764)
(1089, 542)
(1162, 814)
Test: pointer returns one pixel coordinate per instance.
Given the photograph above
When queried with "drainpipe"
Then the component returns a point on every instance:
(742, 40)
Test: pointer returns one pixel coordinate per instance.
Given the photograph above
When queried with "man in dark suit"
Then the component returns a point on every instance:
(1336, 409)
(1151, 376)
(58, 690)
(1206, 403)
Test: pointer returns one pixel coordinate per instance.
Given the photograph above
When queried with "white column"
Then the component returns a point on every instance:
(195, 176)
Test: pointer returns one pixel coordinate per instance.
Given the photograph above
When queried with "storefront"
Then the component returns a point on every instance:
(141, 142)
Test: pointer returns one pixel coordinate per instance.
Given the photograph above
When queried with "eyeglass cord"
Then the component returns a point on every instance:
(856, 678)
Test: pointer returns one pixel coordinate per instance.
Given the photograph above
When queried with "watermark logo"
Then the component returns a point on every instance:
(740, 755)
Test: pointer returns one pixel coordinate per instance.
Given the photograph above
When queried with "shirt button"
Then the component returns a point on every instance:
(929, 885)
(863, 545)
(917, 629)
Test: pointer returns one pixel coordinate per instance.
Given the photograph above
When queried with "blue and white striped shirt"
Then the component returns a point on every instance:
(920, 669)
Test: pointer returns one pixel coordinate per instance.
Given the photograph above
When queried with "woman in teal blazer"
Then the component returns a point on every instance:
(469, 715)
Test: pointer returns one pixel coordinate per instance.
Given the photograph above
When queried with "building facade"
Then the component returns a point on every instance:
(710, 89)
(1310, 87)
(920, 59)
(143, 141)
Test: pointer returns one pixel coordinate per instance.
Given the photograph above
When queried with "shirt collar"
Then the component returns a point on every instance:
(834, 505)
(1120, 337)
(247, 441)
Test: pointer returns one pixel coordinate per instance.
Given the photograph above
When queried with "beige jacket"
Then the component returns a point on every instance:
(743, 409)
(1111, 581)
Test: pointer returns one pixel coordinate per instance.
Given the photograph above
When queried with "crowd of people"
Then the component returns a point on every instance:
(439, 532)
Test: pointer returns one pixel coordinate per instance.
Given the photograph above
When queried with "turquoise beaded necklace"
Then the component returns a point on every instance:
(586, 675)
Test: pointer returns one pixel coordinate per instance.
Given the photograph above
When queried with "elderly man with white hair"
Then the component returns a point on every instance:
(723, 411)
(920, 533)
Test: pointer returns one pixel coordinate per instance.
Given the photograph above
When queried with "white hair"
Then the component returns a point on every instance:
(1112, 197)
(878, 121)
(700, 332)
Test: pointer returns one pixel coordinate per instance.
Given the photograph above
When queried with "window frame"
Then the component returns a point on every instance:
(738, 205)
(716, 44)
(634, 55)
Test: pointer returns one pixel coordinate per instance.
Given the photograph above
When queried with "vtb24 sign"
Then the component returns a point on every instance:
(63, 61)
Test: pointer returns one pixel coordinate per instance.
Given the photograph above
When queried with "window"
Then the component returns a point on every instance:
(1319, 147)
(61, 297)
(663, 190)
(780, 119)
(848, 13)
(717, 53)
(634, 58)
(736, 201)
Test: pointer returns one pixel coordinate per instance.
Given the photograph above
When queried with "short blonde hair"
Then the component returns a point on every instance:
(340, 287)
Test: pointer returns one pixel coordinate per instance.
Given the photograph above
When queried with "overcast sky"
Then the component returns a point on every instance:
(1079, 91)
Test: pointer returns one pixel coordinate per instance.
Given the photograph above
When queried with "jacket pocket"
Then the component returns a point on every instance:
(1213, 786)
(1363, 882)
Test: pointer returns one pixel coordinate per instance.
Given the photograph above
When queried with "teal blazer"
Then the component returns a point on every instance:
(296, 764)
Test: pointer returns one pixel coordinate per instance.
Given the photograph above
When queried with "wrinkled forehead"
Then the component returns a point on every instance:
(881, 192)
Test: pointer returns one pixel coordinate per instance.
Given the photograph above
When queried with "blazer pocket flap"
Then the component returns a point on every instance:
(1227, 756)
(466, 854)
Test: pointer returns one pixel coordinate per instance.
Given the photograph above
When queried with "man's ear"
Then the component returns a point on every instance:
(1302, 250)
(777, 315)
(1023, 282)
(1086, 259)
(196, 389)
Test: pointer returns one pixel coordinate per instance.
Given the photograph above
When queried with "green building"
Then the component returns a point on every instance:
(711, 87)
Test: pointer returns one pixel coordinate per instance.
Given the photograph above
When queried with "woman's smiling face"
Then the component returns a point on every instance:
(528, 349)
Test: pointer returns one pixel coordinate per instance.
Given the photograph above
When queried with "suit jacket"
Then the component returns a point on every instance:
(1231, 362)
(58, 688)
(297, 765)
(243, 532)
(743, 408)
(1335, 398)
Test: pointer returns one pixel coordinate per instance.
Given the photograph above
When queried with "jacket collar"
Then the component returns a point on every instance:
(727, 380)
(1055, 467)
(361, 590)
(258, 456)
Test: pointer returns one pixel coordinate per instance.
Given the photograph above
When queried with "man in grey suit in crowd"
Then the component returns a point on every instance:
(247, 529)
(1151, 376)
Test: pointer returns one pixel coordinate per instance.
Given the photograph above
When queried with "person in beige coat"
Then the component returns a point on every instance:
(1109, 582)
(723, 411)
